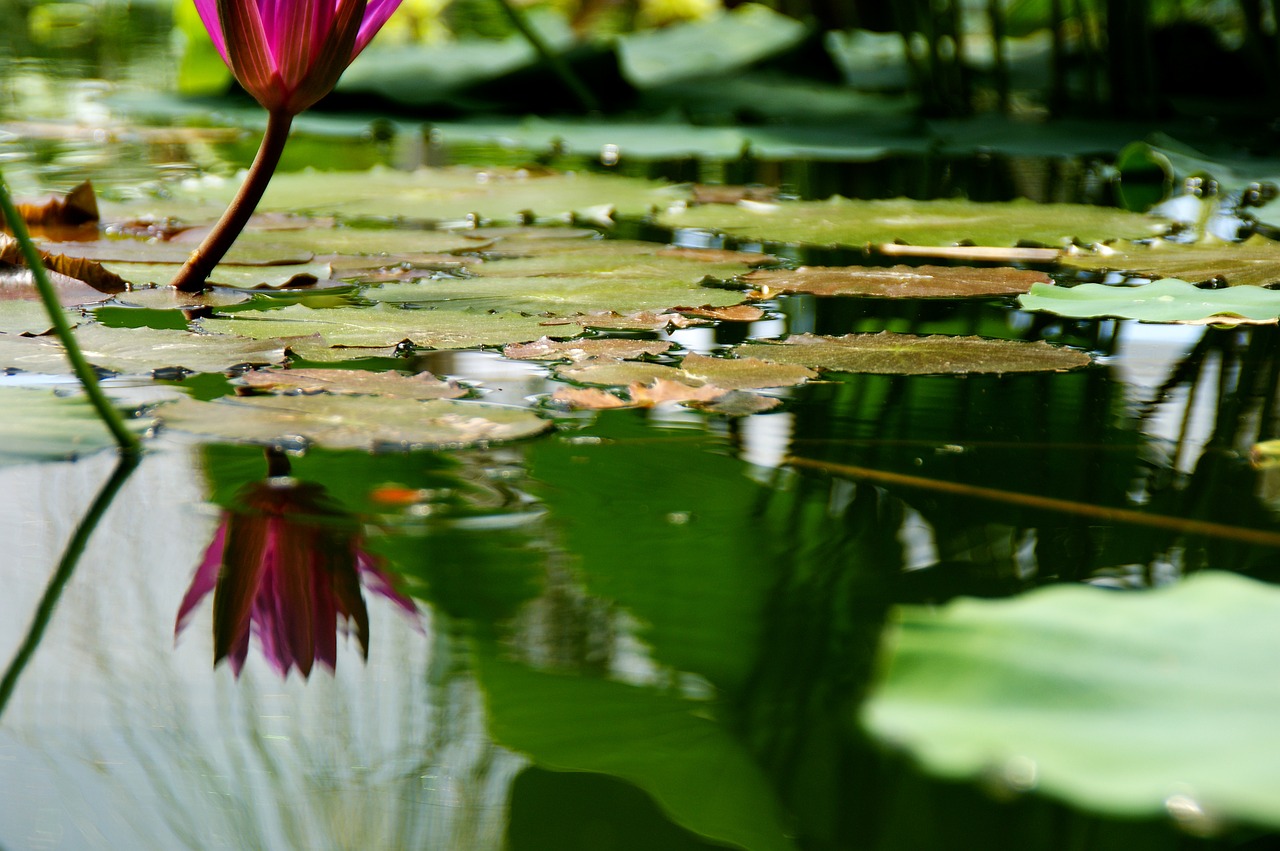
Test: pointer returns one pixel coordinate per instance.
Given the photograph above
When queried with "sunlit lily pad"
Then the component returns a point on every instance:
(353, 422)
(621, 374)
(1167, 300)
(422, 386)
(1255, 261)
(384, 325)
(906, 354)
(897, 281)
(744, 373)
(426, 195)
(1131, 704)
(840, 221)
(139, 350)
(39, 425)
(25, 316)
(585, 350)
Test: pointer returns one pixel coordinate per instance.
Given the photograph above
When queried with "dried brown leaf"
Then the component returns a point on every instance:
(732, 313)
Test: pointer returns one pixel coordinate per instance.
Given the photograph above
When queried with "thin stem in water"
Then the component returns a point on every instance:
(66, 567)
(194, 273)
(127, 440)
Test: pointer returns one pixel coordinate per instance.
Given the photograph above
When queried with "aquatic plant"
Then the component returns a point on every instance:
(287, 565)
(287, 54)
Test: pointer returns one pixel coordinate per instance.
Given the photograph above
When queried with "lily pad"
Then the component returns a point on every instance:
(1167, 300)
(40, 425)
(1253, 262)
(840, 221)
(1131, 704)
(744, 373)
(585, 350)
(354, 422)
(23, 316)
(238, 277)
(887, 353)
(384, 325)
(717, 46)
(897, 281)
(426, 195)
(422, 386)
(139, 350)
(622, 374)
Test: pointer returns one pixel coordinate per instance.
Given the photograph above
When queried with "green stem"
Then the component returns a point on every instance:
(127, 440)
(66, 567)
(191, 278)
(554, 61)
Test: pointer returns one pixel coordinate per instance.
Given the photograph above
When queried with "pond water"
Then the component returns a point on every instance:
(639, 629)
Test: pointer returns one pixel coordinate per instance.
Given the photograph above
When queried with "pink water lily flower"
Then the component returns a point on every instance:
(287, 54)
(287, 566)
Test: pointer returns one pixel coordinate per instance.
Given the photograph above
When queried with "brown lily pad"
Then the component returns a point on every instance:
(732, 313)
(356, 382)
(897, 281)
(78, 268)
(603, 349)
(79, 207)
(887, 353)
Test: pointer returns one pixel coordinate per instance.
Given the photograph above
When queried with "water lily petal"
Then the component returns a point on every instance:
(208, 10)
(249, 548)
(248, 51)
(293, 37)
(331, 58)
(377, 14)
(205, 579)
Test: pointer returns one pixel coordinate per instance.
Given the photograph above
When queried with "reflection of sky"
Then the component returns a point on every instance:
(115, 739)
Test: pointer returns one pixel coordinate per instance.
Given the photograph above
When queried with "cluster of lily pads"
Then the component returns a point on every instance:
(342, 267)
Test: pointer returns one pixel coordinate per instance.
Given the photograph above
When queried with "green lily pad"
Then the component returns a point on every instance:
(1167, 300)
(384, 325)
(621, 374)
(839, 221)
(422, 386)
(426, 195)
(897, 281)
(602, 349)
(139, 350)
(1131, 704)
(24, 316)
(887, 353)
(716, 46)
(1253, 262)
(744, 373)
(354, 422)
(40, 425)
(237, 277)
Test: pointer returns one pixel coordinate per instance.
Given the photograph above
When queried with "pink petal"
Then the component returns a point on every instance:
(330, 58)
(206, 577)
(249, 52)
(377, 13)
(208, 10)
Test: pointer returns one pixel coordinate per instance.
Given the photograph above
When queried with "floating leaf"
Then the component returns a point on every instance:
(17, 283)
(39, 425)
(24, 316)
(621, 374)
(139, 350)
(1255, 261)
(588, 398)
(737, 404)
(80, 269)
(384, 325)
(1119, 703)
(887, 353)
(731, 313)
(78, 207)
(744, 373)
(354, 422)
(422, 386)
(897, 281)
(240, 277)
(1168, 300)
(426, 195)
(585, 350)
(839, 221)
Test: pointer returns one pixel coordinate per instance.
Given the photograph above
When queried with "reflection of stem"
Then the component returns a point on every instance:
(66, 567)
(196, 270)
(554, 60)
(88, 378)
(1184, 525)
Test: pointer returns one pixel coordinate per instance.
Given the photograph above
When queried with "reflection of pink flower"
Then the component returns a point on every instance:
(288, 563)
(289, 53)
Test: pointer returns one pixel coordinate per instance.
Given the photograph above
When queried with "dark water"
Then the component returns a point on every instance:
(642, 622)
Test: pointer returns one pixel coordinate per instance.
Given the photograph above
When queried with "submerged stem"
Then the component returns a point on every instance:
(195, 271)
(127, 440)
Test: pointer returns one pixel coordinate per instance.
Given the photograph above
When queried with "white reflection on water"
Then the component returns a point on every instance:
(116, 739)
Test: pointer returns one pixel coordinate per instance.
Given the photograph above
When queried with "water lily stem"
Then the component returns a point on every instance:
(191, 278)
(127, 440)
